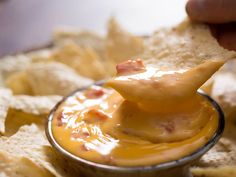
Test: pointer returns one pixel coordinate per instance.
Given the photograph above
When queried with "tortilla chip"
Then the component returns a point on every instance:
(62, 36)
(42, 55)
(19, 84)
(25, 110)
(5, 99)
(121, 45)
(223, 153)
(224, 92)
(229, 66)
(30, 142)
(36, 105)
(16, 166)
(225, 171)
(12, 64)
(2, 82)
(54, 79)
(184, 46)
(83, 59)
(16, 119)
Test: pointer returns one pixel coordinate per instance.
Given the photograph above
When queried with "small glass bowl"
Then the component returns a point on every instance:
(177, 168)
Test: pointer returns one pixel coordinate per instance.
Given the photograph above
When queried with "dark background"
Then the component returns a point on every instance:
(27, 24)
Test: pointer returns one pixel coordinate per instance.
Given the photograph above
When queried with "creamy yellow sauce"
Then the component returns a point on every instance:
(153, 116)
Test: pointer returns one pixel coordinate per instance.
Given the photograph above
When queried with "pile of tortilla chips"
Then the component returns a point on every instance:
(32, 83)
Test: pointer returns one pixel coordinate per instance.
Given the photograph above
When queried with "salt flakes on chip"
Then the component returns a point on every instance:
(5, 99)
(186, 45)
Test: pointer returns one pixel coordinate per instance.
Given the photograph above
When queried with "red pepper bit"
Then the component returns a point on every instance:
(95, 115)
(83, 147)
(169, 127)
(59, 119)
(94, 93)
(108, 159)
(130, 66)
(84, 133)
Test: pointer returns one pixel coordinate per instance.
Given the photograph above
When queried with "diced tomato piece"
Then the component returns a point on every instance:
(130, 66)
(59, 119)
(108, 159)
(81, 133)
(169, 127)
(95, 115)
(83, 147)
(94, 92)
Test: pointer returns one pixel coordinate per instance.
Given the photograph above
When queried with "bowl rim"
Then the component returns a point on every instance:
(167, 165)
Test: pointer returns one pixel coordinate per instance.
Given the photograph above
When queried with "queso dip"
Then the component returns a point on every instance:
(143, 116)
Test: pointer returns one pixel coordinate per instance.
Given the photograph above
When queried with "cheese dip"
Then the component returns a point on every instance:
(143, 116)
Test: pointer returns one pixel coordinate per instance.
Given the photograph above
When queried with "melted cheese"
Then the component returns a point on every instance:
(156, 117)
(158, 90)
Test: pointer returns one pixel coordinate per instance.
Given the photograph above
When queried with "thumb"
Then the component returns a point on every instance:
(212, 11)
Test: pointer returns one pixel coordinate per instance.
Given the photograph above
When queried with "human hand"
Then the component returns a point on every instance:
(220, 15)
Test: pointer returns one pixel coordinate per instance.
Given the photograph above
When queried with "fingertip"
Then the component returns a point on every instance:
(211, 11)
(194, 9)
(188, 8)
